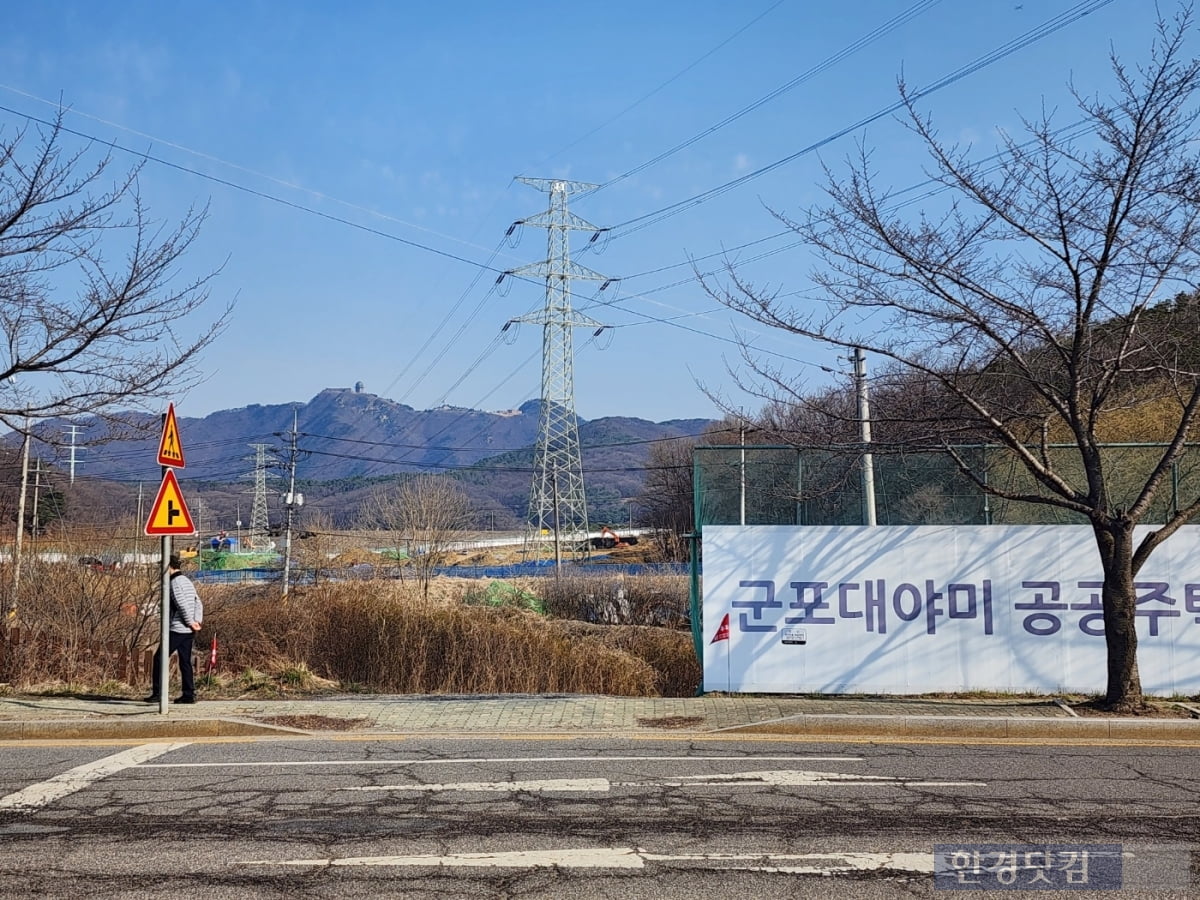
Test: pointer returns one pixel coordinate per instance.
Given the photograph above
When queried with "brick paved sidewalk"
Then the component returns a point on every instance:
(1011, 719)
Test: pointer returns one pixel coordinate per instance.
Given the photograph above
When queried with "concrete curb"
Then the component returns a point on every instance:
(91, 729)
(809, 725)
(964, 727)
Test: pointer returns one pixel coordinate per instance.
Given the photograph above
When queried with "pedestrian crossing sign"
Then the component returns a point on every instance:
(169, 515)
(170, 450)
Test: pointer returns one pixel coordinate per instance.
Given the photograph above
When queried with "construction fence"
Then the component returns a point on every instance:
(783, 485)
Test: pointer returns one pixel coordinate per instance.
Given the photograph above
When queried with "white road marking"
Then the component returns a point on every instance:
(81, 776)
(587, 858)
(464, 761)
(593, 785)
(801, 777)
(633, 858)
(775, 778)
(787, 862)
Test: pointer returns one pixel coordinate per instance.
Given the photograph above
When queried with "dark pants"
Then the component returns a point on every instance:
(181, 644)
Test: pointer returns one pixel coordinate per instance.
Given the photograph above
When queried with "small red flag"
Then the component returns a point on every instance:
(722, 632)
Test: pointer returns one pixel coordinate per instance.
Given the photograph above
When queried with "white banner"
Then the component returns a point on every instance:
(923, 609)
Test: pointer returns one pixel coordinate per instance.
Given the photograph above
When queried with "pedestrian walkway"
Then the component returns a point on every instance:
(74, 717)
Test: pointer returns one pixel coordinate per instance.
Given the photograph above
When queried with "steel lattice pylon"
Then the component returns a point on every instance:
(557, 501)
(260, 538)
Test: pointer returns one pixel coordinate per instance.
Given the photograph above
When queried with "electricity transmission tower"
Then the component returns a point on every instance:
(260, 539)
(557, 502)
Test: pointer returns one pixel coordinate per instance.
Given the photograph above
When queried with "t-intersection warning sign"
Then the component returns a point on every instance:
(169, 515)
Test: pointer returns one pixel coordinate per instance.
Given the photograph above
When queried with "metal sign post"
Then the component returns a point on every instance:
(164, 662)
(169, 506)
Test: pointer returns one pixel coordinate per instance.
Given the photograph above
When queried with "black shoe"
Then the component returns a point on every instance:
(185, 699)
(153, 698)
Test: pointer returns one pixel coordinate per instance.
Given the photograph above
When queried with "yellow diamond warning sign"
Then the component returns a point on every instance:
(169, 515)
(170, 450)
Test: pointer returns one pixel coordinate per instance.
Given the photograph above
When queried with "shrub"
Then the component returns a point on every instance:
(77, 625)
(501, 593)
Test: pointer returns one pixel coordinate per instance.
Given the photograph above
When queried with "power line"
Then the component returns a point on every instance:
(1067, 132)
(319, 195)
(262, 195)
(1033, 35)
(442, 324)
(669, 81)
(1047, 28)
(866, 40)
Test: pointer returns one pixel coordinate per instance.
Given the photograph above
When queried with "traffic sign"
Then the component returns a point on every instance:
(170, 449)
(169, 515)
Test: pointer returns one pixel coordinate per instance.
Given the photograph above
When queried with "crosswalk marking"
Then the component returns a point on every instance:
(76, 779)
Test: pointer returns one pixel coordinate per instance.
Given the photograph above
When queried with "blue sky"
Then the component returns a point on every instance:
(331, 139)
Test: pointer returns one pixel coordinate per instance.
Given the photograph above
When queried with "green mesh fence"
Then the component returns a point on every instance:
(776, 485)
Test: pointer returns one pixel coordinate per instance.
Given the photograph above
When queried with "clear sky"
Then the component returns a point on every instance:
(358, 160)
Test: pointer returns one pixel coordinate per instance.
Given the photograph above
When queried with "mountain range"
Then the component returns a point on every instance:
(347, 443)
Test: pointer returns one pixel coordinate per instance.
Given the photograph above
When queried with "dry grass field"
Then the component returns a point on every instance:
(78, 629)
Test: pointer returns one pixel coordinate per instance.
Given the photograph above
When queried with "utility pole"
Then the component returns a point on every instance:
(742, 475)
(864, 420)
(557, 494)
(557, 544)
(291, 501)
(137, 529)
(37, 488)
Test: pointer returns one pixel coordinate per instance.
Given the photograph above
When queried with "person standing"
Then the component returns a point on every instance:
(187, 614)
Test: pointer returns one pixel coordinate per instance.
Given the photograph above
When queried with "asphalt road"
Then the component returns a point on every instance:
(585, 817)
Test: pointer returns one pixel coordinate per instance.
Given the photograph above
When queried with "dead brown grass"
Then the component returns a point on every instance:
(380, 636)
(616, 599)
(377, 635)
(669, 653)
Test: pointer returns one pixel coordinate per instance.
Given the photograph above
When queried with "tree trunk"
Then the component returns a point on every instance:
(1115, 542)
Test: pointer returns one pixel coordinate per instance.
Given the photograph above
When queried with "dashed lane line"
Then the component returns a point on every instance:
(486, 760)
(785, 778)
(635, 858)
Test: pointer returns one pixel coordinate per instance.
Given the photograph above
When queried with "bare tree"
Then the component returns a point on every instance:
(426, 515)
(1026, 301)
(92, 309)
(317, 544)
(666, 498)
